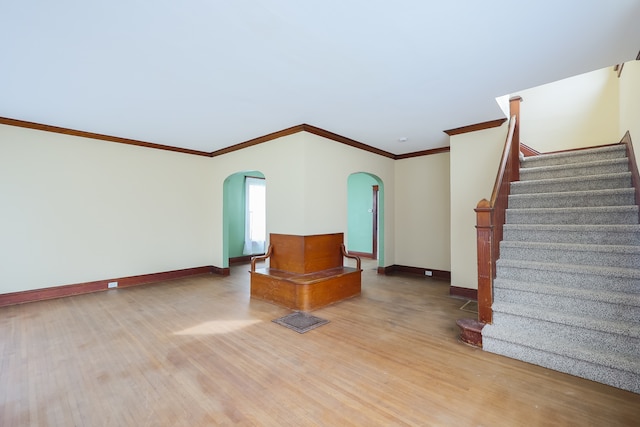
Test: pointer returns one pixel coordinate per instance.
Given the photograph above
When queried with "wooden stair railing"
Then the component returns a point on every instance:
(490, 214)
(633, 166)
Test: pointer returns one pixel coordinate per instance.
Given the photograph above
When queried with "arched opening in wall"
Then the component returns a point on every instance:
(365, 216)
(244, 216)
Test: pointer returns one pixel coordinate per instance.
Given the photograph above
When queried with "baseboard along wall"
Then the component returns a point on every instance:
(33, 295)
(454, 291)
(466, 293)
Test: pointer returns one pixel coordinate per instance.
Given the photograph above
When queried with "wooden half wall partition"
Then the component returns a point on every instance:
(41, 294)
(305, 272)
(306, 254)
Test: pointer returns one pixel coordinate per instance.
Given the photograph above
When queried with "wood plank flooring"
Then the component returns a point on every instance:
(200, 352)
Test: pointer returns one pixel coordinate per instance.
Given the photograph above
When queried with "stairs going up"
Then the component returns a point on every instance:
(567, 287)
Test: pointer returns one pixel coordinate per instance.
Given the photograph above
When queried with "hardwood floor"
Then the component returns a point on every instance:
(200, 352)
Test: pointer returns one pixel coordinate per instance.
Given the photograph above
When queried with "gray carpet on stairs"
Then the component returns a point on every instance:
(567, 291)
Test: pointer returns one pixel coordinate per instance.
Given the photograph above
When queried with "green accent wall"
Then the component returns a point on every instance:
(234, 211)
(359, 215)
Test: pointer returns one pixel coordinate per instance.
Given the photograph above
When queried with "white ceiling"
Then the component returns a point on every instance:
(207, 74)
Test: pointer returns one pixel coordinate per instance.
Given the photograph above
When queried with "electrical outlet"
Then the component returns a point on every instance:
(112, 285)
(428, 273)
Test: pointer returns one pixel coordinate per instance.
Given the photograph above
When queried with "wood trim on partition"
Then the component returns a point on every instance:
(33, 295)
(478, 126)
(92, 135)
(465, 293)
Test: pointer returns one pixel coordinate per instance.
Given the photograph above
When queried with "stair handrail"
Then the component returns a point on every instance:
(490, 215)
(633, 166)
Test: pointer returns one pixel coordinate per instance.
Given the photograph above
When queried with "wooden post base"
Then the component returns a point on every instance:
(470, 331)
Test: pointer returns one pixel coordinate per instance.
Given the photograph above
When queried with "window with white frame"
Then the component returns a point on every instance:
(255, 231)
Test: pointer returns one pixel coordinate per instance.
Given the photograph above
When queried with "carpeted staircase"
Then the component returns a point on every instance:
(567, 291)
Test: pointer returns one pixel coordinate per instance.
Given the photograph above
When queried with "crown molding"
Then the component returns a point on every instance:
(92, 135)
(347, 141)
(423, 153)
(303, 128)
(328, 135)
(258, 140)
(475, 127)
(255, 141)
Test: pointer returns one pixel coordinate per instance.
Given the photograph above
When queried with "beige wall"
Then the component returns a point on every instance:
(474, 165)
(327, 169)
(630, 104)
(285, 184)
(423, 212)
(580, 111)
(306, 177)
(76, 210)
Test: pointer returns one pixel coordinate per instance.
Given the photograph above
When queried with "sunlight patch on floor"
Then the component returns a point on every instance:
(216, 327)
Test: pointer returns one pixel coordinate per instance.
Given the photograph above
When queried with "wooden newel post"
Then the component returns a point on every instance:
(514, 110)
(486, 266)
(490, 215)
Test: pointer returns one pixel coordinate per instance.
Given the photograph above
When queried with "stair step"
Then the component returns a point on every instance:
(571, 253)
(609, 197)
(554, 353)
(574, 335)
(576, 156)
(544, 317)
(586, 276)
(585, 302)
(600, 167)
(583, 215)
(553, 233)
(561, 290)
(581, 183)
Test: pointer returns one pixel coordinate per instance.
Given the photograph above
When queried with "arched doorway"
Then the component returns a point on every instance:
(365, 216)
(238, 219)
